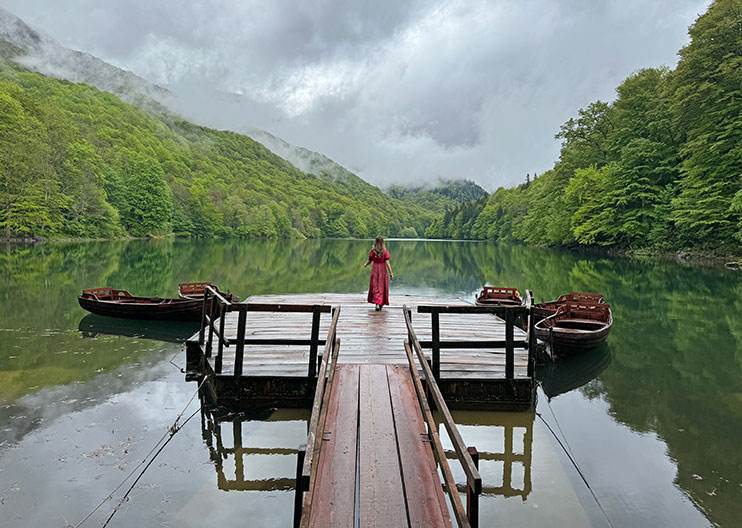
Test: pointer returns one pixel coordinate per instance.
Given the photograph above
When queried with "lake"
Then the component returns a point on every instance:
(653, 420)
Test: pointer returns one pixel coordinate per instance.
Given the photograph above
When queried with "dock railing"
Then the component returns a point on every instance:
(213, 316)
(308, 455)
(467, 456)
(508, 313)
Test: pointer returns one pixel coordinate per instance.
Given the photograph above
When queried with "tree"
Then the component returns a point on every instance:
(706, 89)
(148, 199)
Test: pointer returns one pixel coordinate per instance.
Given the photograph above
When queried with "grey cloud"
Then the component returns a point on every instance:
(393, 90)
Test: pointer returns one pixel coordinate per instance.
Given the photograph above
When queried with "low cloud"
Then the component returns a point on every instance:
(395, 91)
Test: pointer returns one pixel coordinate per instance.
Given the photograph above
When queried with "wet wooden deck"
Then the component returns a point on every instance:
(369, 337)
(376, 466)
(277, 374)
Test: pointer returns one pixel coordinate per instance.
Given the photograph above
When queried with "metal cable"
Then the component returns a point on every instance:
(574, 462)
(154, 448)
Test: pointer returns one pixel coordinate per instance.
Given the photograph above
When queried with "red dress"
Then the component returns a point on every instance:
(378, 289)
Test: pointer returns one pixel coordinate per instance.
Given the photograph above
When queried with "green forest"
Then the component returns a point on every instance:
(446, 194)
(77, 162)
(659, 167)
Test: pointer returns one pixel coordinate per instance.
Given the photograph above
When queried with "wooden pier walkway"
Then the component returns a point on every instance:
(373, 452)
(375, 445)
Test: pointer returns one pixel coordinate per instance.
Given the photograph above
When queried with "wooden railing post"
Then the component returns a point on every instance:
(299, 491)
(531, 343)
(472, 498)
(211, 326)
(314, 339)
(239, 352)
(436, 339)
(509, 347)
(202, 330)
(220, 347)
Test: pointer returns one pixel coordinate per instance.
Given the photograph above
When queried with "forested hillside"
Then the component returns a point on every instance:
(445, 194)
(78, 162)
(661, 166)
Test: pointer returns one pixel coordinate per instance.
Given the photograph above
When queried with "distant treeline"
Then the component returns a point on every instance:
(445, 194)
(661, 166)
(78, 162)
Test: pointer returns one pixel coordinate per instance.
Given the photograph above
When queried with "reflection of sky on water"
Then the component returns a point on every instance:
(657, 434)
(61, 470)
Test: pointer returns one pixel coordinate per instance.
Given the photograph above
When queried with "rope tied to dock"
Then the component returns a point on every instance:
(156, 449)
(568, 451)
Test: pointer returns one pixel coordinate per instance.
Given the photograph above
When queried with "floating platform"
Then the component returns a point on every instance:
(277, 364)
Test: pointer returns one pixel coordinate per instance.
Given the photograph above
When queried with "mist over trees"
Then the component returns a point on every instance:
(661, 166)
(78, 162)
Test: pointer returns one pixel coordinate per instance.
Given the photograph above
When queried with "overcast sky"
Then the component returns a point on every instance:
(396, 91)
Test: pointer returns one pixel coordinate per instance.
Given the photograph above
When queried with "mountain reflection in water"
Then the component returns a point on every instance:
(666, 400)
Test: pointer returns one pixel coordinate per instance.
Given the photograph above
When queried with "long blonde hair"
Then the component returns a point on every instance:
(379, 247)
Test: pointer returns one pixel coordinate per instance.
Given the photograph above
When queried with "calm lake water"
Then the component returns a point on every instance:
(654, 420)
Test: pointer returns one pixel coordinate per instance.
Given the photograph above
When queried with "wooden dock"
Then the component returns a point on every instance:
(373, 452)
(278, 350)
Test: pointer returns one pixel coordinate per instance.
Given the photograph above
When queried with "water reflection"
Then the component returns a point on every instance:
(567, 374)
(254, 450)
(92, 326)
(505, 445)
(673, 366)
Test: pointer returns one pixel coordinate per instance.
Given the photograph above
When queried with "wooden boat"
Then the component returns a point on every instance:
(575, 327)
(195, 290)
(120, 303)
(542, 310)
(493, 296)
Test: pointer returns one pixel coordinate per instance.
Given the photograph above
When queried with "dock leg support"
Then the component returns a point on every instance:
(472, 499)
(299, 496)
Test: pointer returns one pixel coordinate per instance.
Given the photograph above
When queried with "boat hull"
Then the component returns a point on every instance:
(166, 310)
(574, 328)
(498, 302)
(567, 342)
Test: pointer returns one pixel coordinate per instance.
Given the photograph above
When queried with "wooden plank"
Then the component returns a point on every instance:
(426, 504)
(278, 307)
(381, 494)
(334, 495)
(464, 309)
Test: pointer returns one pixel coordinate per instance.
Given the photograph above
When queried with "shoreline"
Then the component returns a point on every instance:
(702, 257)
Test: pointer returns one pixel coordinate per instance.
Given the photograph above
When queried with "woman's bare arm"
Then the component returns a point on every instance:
(367, 263)
(389, 267)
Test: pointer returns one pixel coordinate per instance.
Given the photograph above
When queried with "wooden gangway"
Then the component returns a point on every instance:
(373, 455)
(373, 450)
(375, 459)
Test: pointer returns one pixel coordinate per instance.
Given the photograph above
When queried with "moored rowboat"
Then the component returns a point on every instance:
(545, 309)
(196, 290)
(120, 303)
(493, 296)
(575, 327)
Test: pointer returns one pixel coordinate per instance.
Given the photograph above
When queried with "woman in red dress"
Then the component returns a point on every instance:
(378, 289)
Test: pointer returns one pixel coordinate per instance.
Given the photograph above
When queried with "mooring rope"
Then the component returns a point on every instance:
(174, 428)
(568, 451)
(181, 369)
